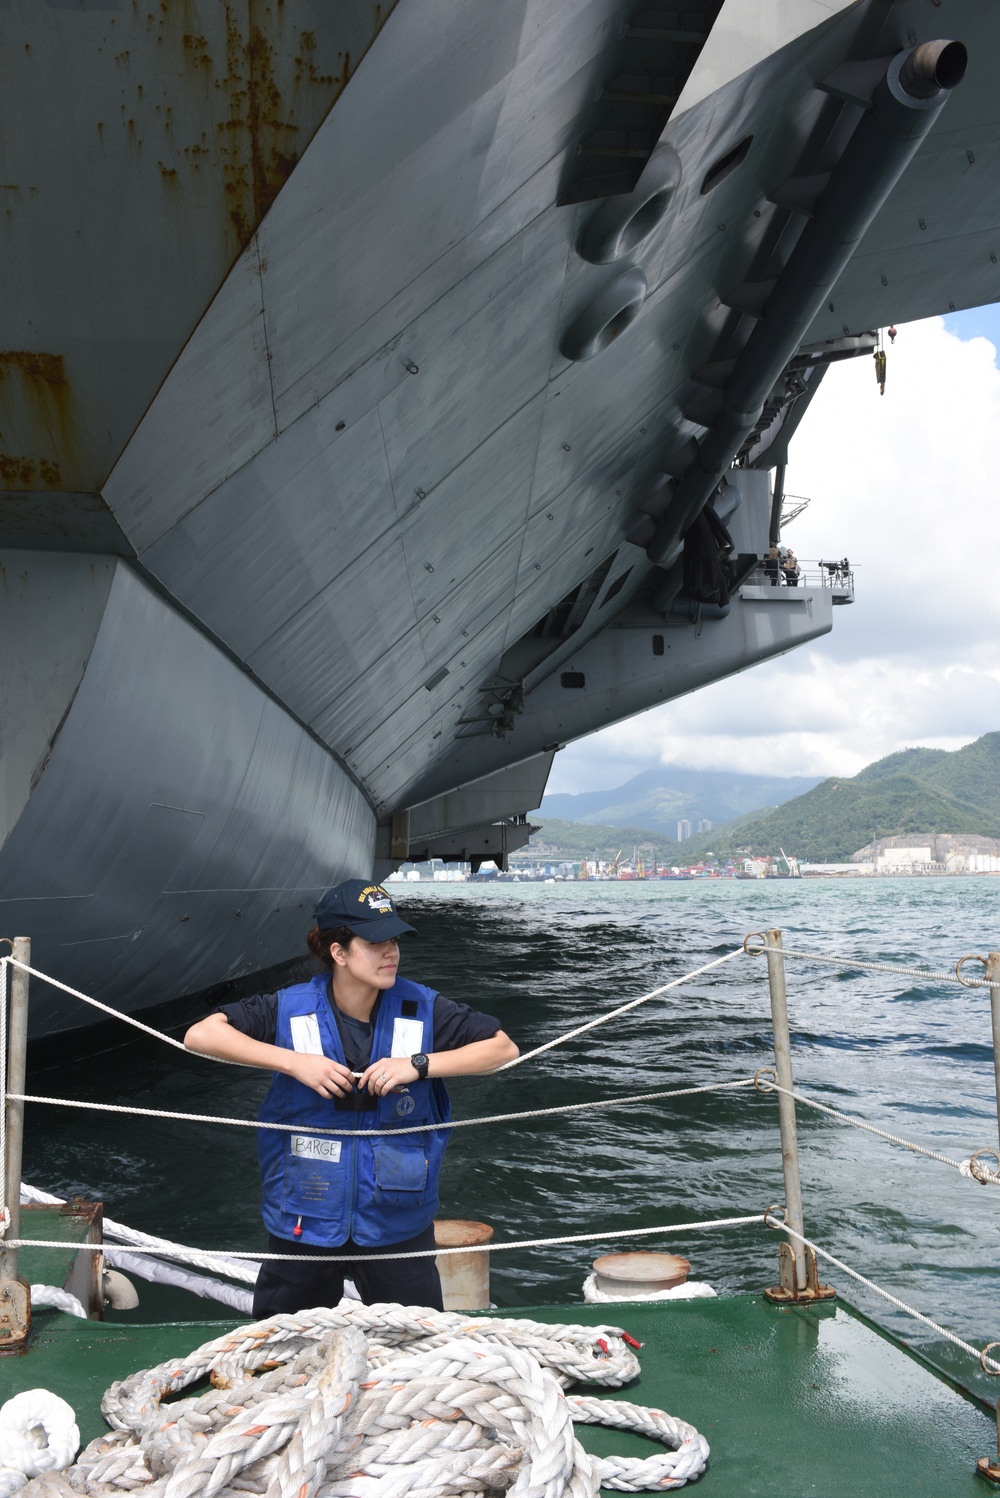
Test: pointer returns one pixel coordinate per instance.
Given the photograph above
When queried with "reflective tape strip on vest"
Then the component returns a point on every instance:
(373, 1191)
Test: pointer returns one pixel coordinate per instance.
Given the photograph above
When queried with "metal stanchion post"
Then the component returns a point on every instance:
(15, 1299)
(796, 1263)
(993, 978)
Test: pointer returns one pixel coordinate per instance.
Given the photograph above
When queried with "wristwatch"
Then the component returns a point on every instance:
(420, 1063)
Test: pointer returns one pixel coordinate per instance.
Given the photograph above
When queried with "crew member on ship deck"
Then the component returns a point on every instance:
(361, 1050)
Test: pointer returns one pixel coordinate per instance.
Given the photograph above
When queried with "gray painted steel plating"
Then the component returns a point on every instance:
(883, 143)
(179, 824)
(352, 468)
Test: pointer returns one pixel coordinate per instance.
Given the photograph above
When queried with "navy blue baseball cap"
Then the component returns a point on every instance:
(365, 909)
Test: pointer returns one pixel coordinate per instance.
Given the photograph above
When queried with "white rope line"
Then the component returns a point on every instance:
(518, 1060)
(85, 998)
(857, 1123)
(455, 1123)
(122, 1233)
(602, 1019)
(894, 1300)
(608, 1236)
(871, 967)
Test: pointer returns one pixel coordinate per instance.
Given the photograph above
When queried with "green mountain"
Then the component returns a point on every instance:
(913, 792)
(915, 762)
(659, 798)
(559, 839)
(970, 776)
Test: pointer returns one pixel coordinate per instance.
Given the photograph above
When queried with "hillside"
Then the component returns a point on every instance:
(560, 839)
(970, 775)
(657, 799)
(915, 791)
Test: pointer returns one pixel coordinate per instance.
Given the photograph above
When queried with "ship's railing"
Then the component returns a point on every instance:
(834, 577)
(798, 1280)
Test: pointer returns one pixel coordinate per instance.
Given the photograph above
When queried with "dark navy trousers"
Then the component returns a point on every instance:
(300, 1284)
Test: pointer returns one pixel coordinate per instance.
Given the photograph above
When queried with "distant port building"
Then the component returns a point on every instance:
(927, 853)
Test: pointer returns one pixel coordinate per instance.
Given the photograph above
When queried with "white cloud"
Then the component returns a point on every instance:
(908, 486)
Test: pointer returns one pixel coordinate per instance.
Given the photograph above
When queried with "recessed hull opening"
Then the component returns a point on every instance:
(721, 169)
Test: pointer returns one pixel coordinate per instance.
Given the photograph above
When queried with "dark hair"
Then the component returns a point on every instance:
(319, 941)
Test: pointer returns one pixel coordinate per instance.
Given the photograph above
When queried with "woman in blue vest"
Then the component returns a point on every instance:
(361, 1050)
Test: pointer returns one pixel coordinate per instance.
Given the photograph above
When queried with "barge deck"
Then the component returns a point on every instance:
(792, 1400)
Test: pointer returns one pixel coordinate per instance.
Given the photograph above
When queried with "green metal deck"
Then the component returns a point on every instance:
(792, 1401)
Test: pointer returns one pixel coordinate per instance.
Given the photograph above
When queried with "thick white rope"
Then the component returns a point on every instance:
(901, 1305)
(57, 1300)
(382, 1402)
(518, 1060)
(870, 967)
(602, 1019)
(85, 998)
(969, 1168)
(38, 1433)
(226, 1255)
(456, 1123)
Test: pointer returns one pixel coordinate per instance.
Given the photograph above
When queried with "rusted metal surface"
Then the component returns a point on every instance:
(260, 140)
(15, 1316)
(188, 117)
(86, 1278)
(465, 1278)
(787, 1291)
(36, 419)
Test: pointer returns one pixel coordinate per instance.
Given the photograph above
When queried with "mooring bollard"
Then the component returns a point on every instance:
(798, 1279)
(15, 1298)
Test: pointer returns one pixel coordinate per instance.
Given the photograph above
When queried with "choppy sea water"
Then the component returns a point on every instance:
(909, 1055)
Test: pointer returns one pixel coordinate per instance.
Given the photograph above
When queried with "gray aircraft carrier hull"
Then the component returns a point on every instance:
(180, 824)
(390, 394)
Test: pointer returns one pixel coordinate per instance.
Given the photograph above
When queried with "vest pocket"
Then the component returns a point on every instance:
(315, 1178)
(400, 1170)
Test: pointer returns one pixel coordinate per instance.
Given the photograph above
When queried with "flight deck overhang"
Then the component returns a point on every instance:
(635, 664)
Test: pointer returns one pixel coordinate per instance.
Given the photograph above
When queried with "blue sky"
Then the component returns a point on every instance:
(908, 486)
(978, 322)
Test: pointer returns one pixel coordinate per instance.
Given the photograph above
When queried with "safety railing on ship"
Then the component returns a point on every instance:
(798, 1277)
(837, 578)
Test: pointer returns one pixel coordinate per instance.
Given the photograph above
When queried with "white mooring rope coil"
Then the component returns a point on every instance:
(379, 1402)
(38, 1433)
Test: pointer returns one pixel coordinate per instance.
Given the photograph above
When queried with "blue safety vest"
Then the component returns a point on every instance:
(340, 1186)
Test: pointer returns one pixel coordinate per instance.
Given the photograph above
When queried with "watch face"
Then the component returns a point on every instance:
(420, 1063)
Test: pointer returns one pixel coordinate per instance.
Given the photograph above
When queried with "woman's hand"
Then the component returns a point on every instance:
(328, 1078)
(476, 1058)
(388, 1074)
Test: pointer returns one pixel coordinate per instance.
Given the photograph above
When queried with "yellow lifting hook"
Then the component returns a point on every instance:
(880, 369)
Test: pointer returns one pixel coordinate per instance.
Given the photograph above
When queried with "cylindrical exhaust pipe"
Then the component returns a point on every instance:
(931, 67)
(916, 85)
